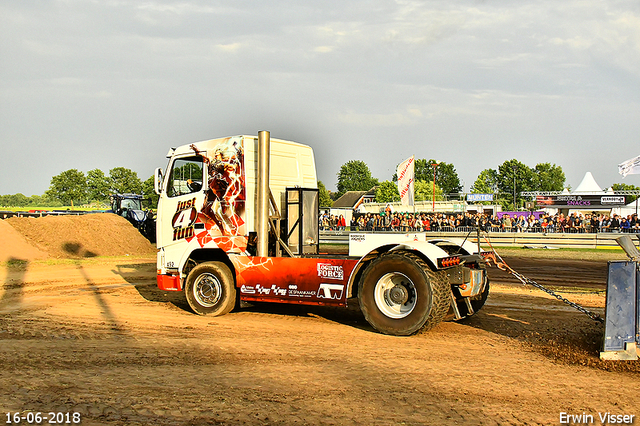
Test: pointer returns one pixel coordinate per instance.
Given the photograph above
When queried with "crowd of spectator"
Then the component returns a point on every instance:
(465, 222)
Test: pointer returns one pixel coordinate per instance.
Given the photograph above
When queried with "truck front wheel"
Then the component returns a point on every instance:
(210, 289)
(400, 295)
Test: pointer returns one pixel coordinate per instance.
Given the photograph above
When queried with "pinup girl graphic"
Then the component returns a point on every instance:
(225, 196)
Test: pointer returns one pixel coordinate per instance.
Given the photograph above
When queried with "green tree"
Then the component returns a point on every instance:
(423, 170)
(148, 190)
(68, 187)
(387, 192)
(14, 200)
(510, 172)
(626, 187)
(21, 200)
(486, 182)
(355, 176)
(446, 178)
(43, 201)
(122, 180)
(323, 194)
(424, 191)
(549, 177)
(97, 185)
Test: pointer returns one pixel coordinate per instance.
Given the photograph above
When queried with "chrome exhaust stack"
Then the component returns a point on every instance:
(264, 149)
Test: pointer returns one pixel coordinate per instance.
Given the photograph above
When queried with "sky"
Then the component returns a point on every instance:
(102, 84)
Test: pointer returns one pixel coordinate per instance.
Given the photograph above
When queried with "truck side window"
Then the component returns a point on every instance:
(185, 177)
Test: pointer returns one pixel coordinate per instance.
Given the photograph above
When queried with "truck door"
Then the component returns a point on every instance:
(182, 198)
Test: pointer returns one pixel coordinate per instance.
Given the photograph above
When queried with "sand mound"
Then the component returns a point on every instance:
(14, 246)
(100, 234)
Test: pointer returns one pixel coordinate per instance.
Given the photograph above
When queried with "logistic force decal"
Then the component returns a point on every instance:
(183, 220)
(222, 212)
(329, 271)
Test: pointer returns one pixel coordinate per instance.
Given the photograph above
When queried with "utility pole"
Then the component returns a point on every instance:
(434, 165)
(515, 168)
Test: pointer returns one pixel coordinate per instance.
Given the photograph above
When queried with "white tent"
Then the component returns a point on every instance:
(588, 186)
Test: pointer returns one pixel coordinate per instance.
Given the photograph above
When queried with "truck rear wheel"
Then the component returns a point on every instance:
(210, 289)
(400, 295)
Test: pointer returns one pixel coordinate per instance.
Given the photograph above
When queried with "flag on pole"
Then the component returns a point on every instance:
(630, 167)
(406, 176)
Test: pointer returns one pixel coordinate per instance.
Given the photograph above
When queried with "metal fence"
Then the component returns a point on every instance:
(465, 229)
(6, 214)
(502, 238)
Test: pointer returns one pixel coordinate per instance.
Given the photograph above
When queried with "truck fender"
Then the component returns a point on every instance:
(195, 255)
(429, 251)
(468, 247)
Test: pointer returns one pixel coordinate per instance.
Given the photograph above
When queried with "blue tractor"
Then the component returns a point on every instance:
(130, 207)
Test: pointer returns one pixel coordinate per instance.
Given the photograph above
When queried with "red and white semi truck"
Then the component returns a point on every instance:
(238, 221)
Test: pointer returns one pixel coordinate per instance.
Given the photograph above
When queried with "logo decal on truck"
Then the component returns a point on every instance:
(294, 292)
(274, 290)
(329, 271)
(249, 289)
(330, 291)
(183, 219)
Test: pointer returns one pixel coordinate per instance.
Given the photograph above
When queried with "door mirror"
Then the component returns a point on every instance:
(157, 181)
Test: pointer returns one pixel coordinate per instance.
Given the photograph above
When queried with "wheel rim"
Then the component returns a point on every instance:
(395, 295)
(207, 290)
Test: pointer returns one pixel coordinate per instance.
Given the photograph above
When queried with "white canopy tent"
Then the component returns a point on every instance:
(588, 186)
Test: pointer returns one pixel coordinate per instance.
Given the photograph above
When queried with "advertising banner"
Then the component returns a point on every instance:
(581, 201)
(479, 197)
(406, 176)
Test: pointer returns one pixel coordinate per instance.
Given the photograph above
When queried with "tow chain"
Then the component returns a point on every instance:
(502, 265)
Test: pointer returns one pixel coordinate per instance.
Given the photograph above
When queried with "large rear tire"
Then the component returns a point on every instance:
(210, 289)
(400, 295)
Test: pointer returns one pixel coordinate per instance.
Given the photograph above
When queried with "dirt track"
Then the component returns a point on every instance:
(96, 336)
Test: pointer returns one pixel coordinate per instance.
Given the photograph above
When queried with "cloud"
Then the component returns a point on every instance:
(576, 42)
(232, 47)
(323, 49)
(380, 120)
(480, 76)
